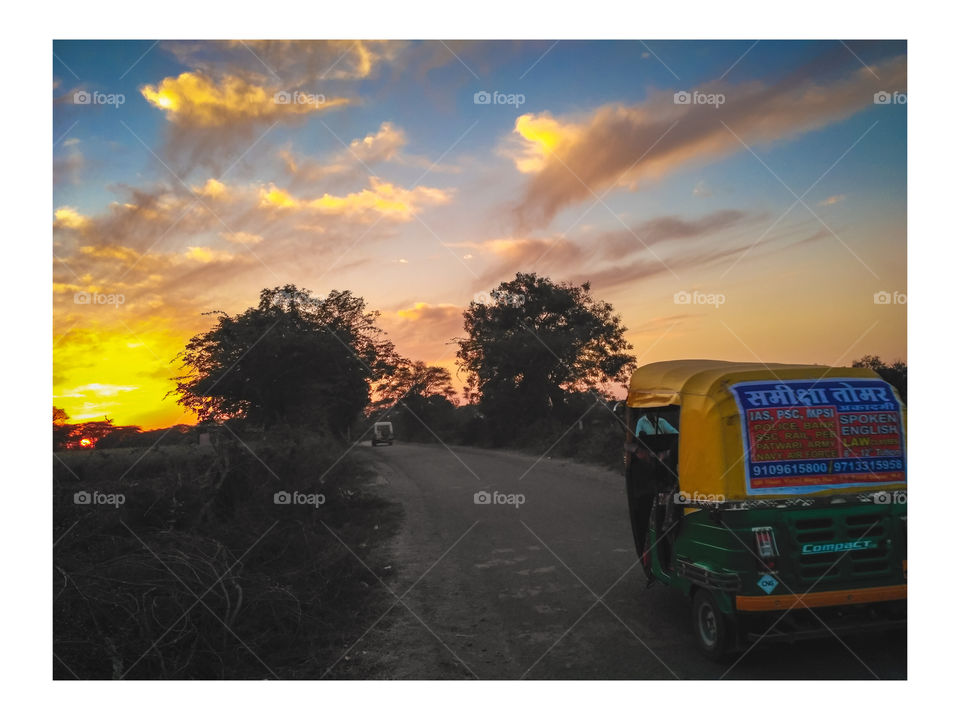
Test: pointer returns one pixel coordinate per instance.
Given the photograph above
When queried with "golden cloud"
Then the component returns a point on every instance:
(193, 99)
(68, 218)
(381, 198)
(213, 189)
(544, 136)
(207, 255)
(425, 311)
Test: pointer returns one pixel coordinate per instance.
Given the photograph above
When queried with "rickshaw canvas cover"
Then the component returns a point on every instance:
(803, 436)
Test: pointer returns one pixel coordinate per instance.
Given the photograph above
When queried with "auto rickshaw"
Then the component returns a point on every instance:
(382, 433)
(774, 496)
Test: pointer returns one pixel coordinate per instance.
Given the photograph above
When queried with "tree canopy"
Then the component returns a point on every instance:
(894, 373)
(420, 397)
(293, 358)
(534, 342)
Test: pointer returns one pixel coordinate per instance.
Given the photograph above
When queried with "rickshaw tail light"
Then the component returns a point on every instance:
(766, 543)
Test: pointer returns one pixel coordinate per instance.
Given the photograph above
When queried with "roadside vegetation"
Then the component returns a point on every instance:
(177, 562)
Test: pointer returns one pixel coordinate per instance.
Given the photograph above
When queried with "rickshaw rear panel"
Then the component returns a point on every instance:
(821, 534)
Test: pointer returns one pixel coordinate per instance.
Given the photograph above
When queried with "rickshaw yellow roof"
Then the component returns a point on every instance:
(712, 449)
(664, 383)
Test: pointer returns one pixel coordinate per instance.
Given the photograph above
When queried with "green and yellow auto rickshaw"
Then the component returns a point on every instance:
(774, 496)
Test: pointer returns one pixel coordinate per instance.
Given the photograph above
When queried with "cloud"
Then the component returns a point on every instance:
(669, 227)
(193, 99)
(421, 329)
(298, 61)
(381, 198)
(660, 324)
(214, 119)
(208, 255)
(145, 218)
(701, 189)
(170, 217)
(545, 138)
(385, 145)
(70, 219)
(687, 259)
(380, 146)
(174, 252)
(570, 159)
(422, 311)
(333, 59)
(590, 256)
(648, 267)
(98, 389)
(352, 162)
(833, 200)
(67, 166)
(242, 238)
(213, 189)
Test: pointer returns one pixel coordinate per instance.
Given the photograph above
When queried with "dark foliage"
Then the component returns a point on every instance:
(894, 373)
(292, 359)
(534, 344)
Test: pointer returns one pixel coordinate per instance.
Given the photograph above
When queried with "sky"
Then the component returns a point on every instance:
(739, 200)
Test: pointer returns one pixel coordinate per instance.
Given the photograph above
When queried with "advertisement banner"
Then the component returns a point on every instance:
(802, 436)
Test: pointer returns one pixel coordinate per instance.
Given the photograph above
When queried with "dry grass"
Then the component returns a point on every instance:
(198, 574)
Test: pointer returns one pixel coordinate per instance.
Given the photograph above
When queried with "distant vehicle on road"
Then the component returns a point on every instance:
(763, 491)
(382, 434)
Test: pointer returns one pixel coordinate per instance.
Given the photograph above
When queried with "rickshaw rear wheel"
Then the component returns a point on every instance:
(714, 631)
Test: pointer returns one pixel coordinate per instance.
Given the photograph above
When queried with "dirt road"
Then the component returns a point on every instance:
(548, 587)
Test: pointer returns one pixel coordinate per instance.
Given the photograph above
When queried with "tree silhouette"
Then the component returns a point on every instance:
(414, 379)
(534, 342)
(291, 359)
(61, 431)
(420, 397)
(895, 373)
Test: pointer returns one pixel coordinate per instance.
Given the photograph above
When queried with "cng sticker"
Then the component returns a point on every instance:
(767, 583)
